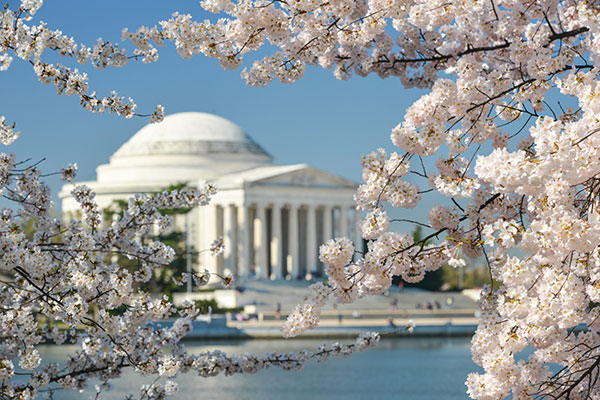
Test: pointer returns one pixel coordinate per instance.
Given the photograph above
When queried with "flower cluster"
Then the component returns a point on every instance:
(7, 132)
(306, 316)
(217, 247)
(68, 173)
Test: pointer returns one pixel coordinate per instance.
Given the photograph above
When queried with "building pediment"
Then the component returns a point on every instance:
(306, 177)
(300, 175)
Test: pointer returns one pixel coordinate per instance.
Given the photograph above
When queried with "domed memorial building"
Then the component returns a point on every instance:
(272, 217)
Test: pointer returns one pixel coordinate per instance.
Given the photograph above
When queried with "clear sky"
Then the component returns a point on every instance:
(319, 120)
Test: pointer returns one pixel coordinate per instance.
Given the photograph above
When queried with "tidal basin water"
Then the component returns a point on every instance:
(401, 368)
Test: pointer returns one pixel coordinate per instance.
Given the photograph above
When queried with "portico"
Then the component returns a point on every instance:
(291, 234)
(278, 216)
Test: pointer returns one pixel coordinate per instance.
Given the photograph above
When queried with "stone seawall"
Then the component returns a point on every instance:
(226, 327)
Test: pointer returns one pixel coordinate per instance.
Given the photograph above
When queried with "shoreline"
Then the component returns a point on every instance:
(460, 323)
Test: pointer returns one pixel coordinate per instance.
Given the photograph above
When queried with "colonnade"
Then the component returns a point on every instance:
(276, 240)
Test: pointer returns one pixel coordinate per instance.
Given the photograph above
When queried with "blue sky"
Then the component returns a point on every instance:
(319, 120)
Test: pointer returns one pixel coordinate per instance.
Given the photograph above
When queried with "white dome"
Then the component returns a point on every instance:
(190, 133)
(183, 146)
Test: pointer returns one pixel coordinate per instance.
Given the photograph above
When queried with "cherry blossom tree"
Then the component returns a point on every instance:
(519, 170)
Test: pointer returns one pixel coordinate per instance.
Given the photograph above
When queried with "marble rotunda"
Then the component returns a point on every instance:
(272, 217)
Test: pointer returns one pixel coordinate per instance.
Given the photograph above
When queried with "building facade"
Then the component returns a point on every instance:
(272, 218)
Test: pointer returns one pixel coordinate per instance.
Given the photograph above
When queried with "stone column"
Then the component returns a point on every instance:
(243, 244)
(262, 245)
(327, 228)
(276, 243)
(229, 238)
(212, 233)
(344, 221)
(293, 264)
(311, 240)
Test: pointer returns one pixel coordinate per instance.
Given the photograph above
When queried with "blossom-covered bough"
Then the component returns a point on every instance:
(519, 167)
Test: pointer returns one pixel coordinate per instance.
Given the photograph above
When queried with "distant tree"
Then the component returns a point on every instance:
(162, 280)
(473, 277)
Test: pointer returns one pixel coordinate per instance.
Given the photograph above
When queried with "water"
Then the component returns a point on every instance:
(404, 368)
